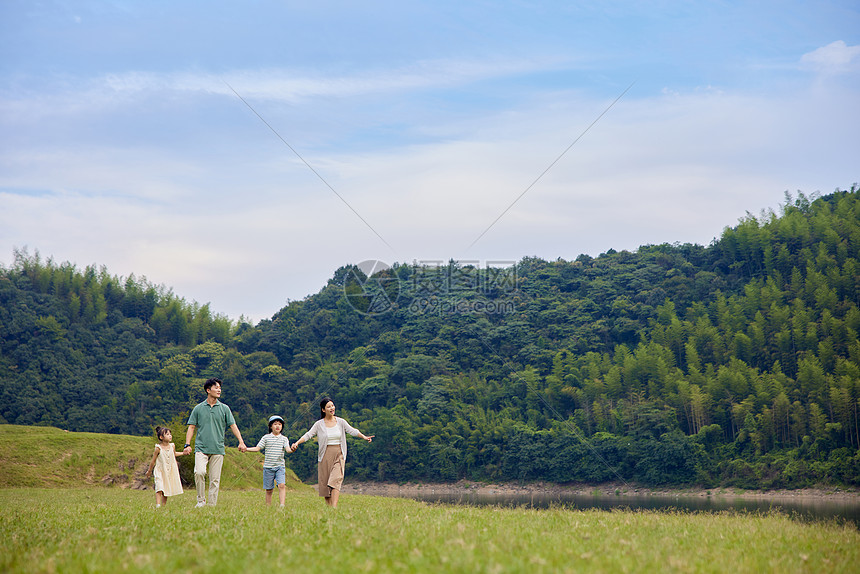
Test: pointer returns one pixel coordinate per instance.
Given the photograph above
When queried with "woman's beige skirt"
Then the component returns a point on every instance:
(330, 470)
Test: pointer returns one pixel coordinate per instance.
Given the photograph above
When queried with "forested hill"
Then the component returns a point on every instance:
(735, 364)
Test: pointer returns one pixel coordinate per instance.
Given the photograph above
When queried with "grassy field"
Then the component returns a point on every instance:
(69, 504)
(51, 457)
(119, 530)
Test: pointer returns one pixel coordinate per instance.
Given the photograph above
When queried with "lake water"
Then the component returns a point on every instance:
(802, 508)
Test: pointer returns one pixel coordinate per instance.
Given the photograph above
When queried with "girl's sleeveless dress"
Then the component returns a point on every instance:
(166, 472)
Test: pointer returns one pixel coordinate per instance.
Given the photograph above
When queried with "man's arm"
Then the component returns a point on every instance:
(188, 436)
(235, 430)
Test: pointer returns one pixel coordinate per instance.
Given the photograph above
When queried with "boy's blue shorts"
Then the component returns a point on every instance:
(273, 475)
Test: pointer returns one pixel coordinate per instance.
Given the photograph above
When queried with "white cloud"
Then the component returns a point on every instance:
(659, 169)
(834, 58)
(237, 221)
(278, 84)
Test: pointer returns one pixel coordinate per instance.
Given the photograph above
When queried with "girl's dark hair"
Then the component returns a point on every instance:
(323, 403)
(159, 431)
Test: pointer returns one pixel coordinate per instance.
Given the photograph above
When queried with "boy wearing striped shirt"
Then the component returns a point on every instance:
(274, 445)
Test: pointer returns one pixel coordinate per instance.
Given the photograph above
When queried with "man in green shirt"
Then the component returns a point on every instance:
(210, 418)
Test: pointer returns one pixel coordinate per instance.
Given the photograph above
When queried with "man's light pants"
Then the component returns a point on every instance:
(215, 462)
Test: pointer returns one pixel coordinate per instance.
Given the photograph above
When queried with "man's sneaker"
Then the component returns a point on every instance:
(200, 505)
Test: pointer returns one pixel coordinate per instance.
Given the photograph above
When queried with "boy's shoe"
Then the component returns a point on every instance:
(200, 505)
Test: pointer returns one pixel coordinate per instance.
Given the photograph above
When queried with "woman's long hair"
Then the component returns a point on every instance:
(323, 403)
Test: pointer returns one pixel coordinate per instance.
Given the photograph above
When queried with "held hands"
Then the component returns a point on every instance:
(242, 447)
(186, 450)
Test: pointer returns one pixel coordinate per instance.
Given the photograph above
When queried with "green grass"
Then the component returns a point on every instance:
(119, 530)
(51, 457)
(58, 515)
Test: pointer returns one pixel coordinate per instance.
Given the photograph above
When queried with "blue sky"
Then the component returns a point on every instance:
(124, 145)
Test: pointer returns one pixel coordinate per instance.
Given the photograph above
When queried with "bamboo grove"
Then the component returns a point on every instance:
(736, 363)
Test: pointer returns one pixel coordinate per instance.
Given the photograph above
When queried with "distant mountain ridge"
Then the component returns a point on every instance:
(736, 363)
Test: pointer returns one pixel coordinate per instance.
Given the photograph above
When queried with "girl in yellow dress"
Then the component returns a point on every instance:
(167, 481)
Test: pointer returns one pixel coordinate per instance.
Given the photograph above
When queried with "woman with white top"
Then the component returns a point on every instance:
(331, 435)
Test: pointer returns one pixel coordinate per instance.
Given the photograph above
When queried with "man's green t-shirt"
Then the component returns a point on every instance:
(212, 422)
